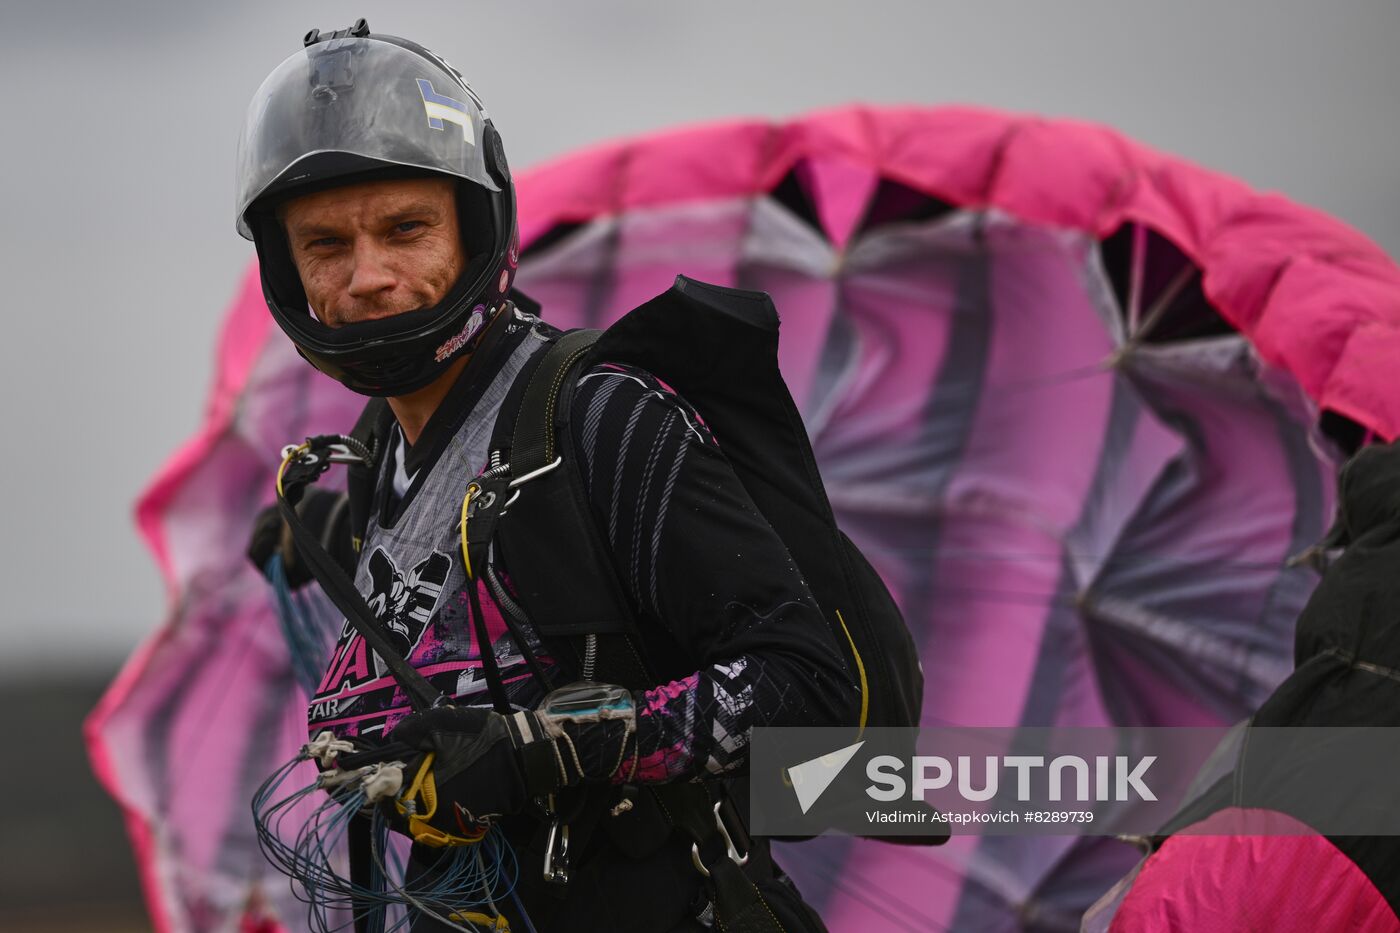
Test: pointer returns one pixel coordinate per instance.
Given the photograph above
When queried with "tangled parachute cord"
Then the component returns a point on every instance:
(488, 868)
(305, 619)
(303, 826)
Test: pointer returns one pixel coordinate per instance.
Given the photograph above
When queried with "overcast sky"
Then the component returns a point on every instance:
(120, 119)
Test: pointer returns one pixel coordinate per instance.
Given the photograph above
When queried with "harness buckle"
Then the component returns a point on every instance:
(556, 853)
(729, 848)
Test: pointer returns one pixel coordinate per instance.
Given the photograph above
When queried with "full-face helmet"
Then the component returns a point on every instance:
(352, 106)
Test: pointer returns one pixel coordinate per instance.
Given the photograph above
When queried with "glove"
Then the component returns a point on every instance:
(479, 765)
(324, 513)
(486, 764)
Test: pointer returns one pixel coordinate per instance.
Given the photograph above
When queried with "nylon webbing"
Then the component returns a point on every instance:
(533, 447)
(341, 590)
(739, 905)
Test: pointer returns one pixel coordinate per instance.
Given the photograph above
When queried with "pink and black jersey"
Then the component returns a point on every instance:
(710, 582)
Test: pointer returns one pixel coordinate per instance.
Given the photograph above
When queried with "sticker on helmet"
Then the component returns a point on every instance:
(459, 341)
(440, 107)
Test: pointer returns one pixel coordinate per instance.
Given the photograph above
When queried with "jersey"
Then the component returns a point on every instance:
(707, 577)
(410, 566)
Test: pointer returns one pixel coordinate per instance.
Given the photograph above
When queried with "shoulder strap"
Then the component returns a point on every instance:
(336, 583)
(369, 430)
(558, 560)
(540, 415)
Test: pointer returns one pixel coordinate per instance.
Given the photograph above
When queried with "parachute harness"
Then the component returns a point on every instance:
(309, 840)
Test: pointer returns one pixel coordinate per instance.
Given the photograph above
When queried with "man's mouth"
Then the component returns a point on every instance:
(364, 317)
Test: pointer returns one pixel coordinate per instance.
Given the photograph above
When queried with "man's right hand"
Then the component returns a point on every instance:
(325, 513)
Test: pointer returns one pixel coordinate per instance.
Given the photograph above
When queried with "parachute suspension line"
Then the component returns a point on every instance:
(1164, 301)
(1135, 277)
(465, 883)
(309, 859)
(524, 915)
(306, 840)
(306, 836)
(1140, 325)
(301, 628)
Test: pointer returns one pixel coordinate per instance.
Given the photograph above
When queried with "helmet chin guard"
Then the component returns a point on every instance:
(353, 107)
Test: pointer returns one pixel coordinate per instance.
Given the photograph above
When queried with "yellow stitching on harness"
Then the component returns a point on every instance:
(860, 668)
(553, 397)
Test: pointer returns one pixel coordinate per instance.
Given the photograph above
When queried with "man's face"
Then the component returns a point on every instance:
(375, 249)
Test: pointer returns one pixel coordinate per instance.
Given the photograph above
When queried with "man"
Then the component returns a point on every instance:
(376, 190)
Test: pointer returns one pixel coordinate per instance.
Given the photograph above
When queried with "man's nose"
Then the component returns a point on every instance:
(371, 272)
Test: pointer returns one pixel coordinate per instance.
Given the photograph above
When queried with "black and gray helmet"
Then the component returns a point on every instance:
(351, 107)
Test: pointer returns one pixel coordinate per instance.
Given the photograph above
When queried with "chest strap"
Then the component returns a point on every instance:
(304, 465)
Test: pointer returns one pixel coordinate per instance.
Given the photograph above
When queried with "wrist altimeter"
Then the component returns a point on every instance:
(547, 737)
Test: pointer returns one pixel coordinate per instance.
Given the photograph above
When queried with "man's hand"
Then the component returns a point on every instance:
(485, 764)
(324, 512)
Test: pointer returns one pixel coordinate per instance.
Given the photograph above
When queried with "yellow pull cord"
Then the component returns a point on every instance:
(860, 669)
(472, 489)
(291, 455)
(476, 917)
(416, 787)
(424, 788)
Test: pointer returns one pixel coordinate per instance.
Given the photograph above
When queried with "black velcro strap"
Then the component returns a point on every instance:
(341, 591)
(533, 444)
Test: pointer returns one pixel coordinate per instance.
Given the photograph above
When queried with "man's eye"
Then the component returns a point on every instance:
(324, 241)
(408, 226)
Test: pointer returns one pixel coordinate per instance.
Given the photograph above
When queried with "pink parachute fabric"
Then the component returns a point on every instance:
(1063, 390)
(1228, 873)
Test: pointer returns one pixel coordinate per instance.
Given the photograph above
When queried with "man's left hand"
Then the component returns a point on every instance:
(485, 764)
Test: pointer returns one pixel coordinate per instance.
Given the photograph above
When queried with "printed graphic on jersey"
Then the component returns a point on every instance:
(403, 602)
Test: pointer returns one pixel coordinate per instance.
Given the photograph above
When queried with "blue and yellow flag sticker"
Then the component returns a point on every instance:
(442, 110)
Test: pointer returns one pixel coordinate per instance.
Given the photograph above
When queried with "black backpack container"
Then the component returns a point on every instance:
(718, 347)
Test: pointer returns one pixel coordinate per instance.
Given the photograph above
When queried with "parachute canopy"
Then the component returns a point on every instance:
(1064, 392)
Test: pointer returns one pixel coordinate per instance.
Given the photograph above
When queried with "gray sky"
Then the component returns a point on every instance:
(117, 238)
